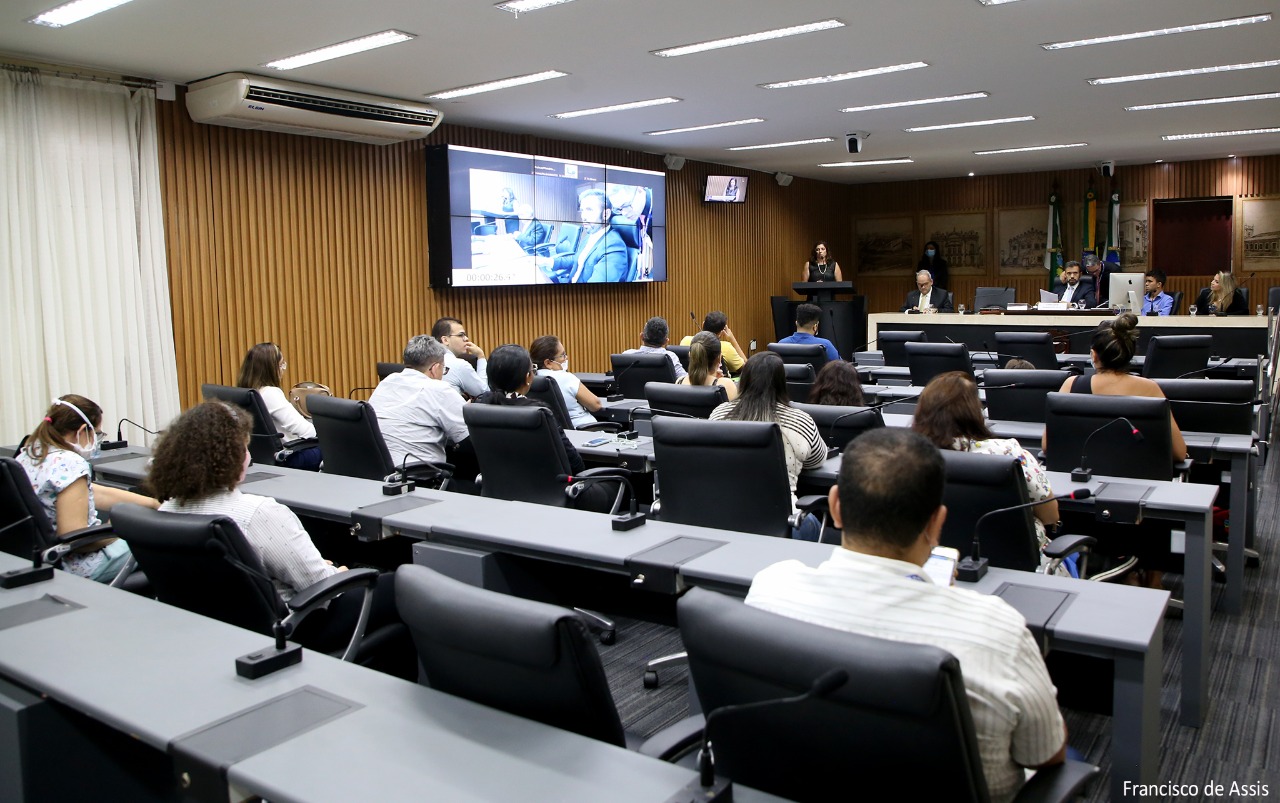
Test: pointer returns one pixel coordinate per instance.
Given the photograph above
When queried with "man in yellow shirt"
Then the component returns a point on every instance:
(717, 323)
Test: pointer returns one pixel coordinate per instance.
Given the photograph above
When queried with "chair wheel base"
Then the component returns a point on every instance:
(650, 679)
(608, 636)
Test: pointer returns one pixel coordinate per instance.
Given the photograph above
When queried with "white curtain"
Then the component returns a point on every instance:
(83, 275)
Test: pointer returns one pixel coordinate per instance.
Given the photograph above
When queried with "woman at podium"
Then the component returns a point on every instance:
(821, 267)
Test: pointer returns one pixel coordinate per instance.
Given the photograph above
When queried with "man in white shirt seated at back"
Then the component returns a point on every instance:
(419, 414)
(654, 339)
(890, 487)
(469, 380)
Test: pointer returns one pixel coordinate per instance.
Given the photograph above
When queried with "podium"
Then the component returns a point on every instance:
(844, 323)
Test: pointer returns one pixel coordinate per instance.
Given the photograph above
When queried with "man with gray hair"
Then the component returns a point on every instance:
(926, 296)
(420, 415)
(653, 339)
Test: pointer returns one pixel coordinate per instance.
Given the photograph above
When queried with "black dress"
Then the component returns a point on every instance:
(822, 273)
(1238, 305)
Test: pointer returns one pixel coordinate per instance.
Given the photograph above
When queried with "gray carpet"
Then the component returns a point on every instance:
(1240, 742)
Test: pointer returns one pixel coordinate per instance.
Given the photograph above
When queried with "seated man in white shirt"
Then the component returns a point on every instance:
(654, 338)
(469, 380)
(419, 414)
(891, 488)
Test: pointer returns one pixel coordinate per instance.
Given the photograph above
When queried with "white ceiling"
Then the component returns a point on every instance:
(604, 45)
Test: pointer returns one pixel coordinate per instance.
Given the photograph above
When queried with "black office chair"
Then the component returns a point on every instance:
(1244, 294)
(386, 369)
(814, 354)
(927, 360)
(692, 401)
(188, 559)
(352, 443)
(1211, 405)
(1174, 356)
(1071, 418)
(893, 348)
(1017, 395)
(683, 353)
(799, 379)
(547, 390)
(631, 372)
(267, 445)
(1273, 298)
(838, 425)
(903, 706)
(1037, 347)
(527, 658)
(977, 484)
(993, 298)
(26, 528)
(1178, 297)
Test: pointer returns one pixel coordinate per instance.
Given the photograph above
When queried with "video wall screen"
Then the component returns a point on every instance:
(501, 219)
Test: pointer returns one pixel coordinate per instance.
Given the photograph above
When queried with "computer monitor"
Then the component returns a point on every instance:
(1121, 285)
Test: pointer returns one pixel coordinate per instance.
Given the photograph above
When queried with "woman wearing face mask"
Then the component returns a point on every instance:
(56, 458)
(933, 261)
(547, 352)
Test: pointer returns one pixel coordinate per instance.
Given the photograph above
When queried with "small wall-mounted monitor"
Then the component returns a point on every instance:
(726, 189)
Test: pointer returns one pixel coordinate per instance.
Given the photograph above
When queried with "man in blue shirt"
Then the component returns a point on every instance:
(1155, 301)
(807, 317)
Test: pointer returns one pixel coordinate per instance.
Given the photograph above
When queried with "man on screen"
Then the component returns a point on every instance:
(600, 254)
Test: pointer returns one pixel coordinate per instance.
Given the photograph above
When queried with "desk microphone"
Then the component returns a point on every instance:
(120, 442)
(1206, 369)
(707, 787)
(973, 568)
(1083, 473)
(260, 662)
(354, 391)
(37, 572)
(630, 520)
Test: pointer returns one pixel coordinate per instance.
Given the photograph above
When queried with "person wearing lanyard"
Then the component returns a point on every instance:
(1155, 301)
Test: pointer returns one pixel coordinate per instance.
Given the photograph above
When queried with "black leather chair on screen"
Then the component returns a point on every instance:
(1071, 418)
(1037, 347)
(891, 345)
(838, 425)
(814, 354)
(902, 704)
(927, 360)
(799, 379)
(547, 390)
(352, 443)
(1017, 395)
(1175, 356)
(527, 658)
(693, 401)
(631, 372)
(1211, 405)
(267, 445)
(188, 559)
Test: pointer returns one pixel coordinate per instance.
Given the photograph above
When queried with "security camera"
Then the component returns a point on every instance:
(854, 140)
(1107, 168)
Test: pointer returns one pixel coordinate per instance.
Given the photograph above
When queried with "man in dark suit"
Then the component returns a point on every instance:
(927, 296)
(1098, 273)
(600, 254)
(1073, 290)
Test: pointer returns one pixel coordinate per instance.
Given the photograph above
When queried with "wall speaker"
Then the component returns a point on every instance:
(1108, 168)
(783, 179)
(673, 162)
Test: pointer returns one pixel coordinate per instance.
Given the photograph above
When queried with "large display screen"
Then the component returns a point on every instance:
(499, 219)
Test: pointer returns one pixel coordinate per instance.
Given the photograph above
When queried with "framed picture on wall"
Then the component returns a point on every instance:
(1261, 230)
(885, 245)
(1135, 237)
(962, 239)
(1020, 240)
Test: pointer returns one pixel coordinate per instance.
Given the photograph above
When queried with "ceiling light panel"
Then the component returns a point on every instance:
(970, 124)
(1124, 37)
(750, 38)
(619, 107)
(1209, 134)
(68, 13)
(1178, 104)
(845, 76)
(491, 86)
(706, 127)
(519, 6)
(922, 102)
(782, 144)
(869, 162)
(341, 49)
(1151, 76)
(1030, 148)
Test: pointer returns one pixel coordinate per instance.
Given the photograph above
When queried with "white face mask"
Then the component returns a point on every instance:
(94, 449)
(564, 366)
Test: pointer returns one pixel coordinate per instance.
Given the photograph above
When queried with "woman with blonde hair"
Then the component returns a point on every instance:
(704, 365)
(1222, 296)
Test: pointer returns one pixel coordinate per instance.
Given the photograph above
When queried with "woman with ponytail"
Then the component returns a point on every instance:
(705, 367)
(56, 458)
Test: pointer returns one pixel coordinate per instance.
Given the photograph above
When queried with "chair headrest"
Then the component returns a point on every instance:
(506, 416)
(334, 407)
(697, 432)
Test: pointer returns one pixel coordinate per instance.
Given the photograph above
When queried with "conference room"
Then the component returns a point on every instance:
(148, 251)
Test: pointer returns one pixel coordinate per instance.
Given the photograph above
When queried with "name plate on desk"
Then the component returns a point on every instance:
(1053, 306)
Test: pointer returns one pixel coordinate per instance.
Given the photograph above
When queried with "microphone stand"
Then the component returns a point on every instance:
(37, 572)
(260, 663)
(1083, 473)
(630, 520)
(973, 567)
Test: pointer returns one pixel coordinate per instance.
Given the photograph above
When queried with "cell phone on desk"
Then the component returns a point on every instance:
(597, 442)
(941, 565)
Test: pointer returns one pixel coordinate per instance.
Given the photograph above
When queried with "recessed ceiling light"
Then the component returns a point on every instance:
(750, 38)
(68, 13)
(996, 2)
(970, 124)
(845, 76)
(1207, 134)
(490, 86)
(341, 49)
(1158, 161)
(1151, 76)
(686, 129)
(1202, 102)
(516, 6)
(923, 101)
(781, 144)
(970, 174)
(869, 162)
(619, 107)
(1030, 148)
(1124, 37)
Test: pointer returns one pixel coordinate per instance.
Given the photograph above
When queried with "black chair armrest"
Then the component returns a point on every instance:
(1059, 783)
(672, 742)
(1065, 545)
(601, 426)
(289, 447)
(614, 472)
(74, 540)
(319, 593)
(816, 503)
